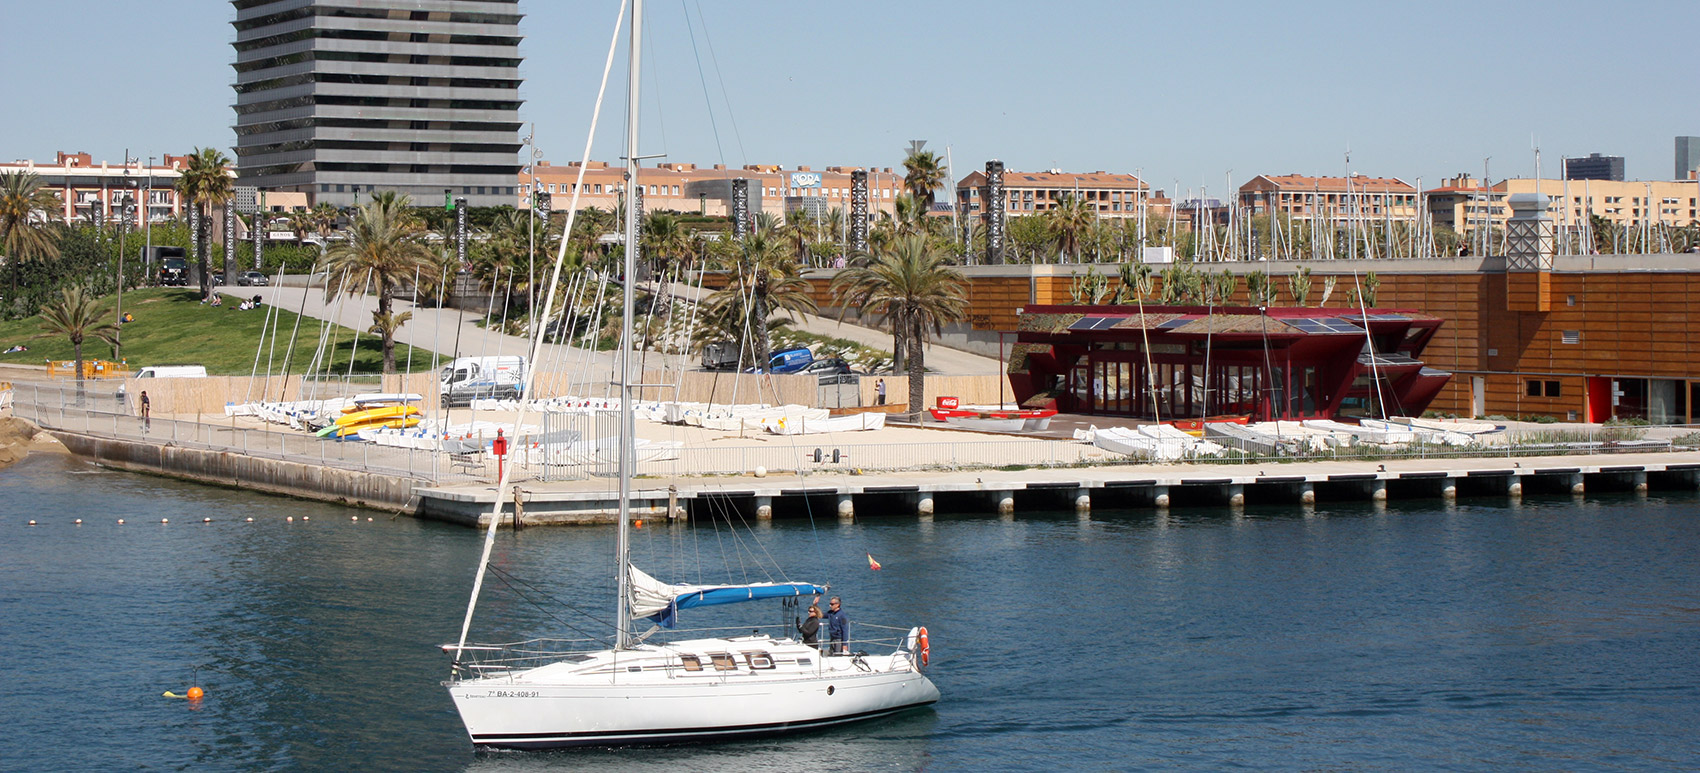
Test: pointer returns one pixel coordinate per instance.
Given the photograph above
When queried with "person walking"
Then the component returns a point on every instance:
(879, 392)
(838, 628)
(147, 410)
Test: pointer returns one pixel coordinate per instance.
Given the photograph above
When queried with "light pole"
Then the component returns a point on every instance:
(531, 229)
(126, 210)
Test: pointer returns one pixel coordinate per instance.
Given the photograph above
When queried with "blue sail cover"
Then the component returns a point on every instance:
(661, 602)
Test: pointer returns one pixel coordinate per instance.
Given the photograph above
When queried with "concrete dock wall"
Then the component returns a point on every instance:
(390, 493)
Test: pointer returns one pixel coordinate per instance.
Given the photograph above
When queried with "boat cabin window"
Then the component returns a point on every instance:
(691, 662)
(758, 660)
(723, 662)
(803, 662)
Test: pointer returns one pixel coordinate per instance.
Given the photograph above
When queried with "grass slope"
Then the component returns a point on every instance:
(171, 327)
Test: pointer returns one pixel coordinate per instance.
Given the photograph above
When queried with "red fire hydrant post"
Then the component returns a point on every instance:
(499, 447)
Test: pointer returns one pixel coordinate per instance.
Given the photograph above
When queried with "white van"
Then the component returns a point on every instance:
(467, 378)
(172, 371)
(168, 371)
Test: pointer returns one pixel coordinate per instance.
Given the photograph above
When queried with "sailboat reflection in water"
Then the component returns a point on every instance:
(529, 695)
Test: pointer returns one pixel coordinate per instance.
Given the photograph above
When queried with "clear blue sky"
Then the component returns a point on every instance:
(1182, 91)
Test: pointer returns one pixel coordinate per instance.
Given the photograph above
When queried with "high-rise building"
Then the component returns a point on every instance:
(344, 98)
(1687, 156)
(1594, 167)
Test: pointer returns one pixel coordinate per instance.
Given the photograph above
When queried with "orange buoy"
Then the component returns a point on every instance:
(638, 524)
(922, 645)
(196, 693)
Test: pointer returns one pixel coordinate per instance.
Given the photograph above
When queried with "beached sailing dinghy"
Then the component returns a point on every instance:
(532, 696)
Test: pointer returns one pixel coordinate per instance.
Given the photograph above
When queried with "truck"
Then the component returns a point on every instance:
(719, 355)
(173, 265)
(469, 378)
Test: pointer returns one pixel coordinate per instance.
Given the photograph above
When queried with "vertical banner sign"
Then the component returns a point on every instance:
(460, 231)
(994, 204)
(741, 206)
(195, 239)
(637, 242)
(859, 211)
(230, 235)
(97, 214)
(259, 230)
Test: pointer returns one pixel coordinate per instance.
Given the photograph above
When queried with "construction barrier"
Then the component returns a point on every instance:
(91, 369)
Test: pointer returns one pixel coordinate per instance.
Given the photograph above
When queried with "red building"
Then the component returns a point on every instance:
(1188, 362)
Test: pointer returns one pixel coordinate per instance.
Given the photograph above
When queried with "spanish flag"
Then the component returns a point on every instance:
(872, 564)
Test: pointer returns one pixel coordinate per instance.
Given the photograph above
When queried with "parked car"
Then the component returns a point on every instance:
(830, 366)
(252, 279)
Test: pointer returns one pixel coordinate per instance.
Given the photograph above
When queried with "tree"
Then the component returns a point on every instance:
(665, 240)
(913, 290)
(767, 281)
(385, 247)
(205, 184)
(78, 316)
(1071, 221)
(923, 173)
(1031, 236)
(25, 206)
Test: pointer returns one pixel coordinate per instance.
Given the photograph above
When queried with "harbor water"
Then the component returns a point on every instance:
(1546, 634)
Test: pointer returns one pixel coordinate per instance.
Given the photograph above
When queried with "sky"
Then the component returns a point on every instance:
(1190, 95)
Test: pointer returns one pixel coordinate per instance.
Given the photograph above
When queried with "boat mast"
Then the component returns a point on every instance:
(622, 611)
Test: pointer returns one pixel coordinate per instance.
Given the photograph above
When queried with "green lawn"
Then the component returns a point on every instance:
(171, 327)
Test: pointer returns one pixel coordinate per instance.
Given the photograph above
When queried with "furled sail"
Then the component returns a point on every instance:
(661, 602)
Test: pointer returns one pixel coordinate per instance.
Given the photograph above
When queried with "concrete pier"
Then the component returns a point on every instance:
(923, 495)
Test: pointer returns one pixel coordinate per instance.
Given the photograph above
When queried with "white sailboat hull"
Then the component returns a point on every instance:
(605, 704)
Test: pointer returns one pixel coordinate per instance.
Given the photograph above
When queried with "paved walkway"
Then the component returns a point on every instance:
(452, 330)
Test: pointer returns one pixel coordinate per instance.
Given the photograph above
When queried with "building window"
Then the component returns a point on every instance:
(1539, 388)
(1570, 300)
(1571, 337)
(1552, 388)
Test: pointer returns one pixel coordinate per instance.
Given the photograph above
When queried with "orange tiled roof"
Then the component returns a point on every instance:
(1359, 183)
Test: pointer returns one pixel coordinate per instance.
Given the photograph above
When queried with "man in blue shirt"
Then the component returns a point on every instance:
(838, 628)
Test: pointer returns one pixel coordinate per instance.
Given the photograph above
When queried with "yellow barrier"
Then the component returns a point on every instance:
(91, 369)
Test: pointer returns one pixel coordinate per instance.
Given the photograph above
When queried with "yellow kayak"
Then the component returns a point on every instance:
(401, 423)
(375, 414)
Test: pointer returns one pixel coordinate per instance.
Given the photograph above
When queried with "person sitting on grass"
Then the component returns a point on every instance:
(217, 300)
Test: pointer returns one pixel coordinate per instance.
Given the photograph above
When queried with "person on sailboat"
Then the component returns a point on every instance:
(838, 627)
(810, 628)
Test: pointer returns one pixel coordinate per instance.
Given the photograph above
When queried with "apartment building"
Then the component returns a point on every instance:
(1113, 195)
(684, 187)
(1463, 203)
(88, 190)
(339, 98)
(1336, 200)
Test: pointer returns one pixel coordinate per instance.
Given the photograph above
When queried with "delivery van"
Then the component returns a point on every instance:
(469, 378)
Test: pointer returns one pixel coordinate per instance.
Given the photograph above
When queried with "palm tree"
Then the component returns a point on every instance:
(205, 184)
(768, 281)
(78, 316)
(1071, 220)
(386, 247)
(24, 207)
(665, 240)
(913, 290)
(923, 173)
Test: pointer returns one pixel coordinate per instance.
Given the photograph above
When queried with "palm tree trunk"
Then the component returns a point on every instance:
(385, 327)
(203, 234)
(917, 373)
(77, 352)
(759, 309)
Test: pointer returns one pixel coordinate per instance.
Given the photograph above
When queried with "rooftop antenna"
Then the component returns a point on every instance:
(915, 146)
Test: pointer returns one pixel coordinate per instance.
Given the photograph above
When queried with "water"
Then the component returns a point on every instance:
(1548, 635)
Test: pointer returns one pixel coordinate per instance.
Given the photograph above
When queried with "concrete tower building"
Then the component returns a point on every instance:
(1687, 156)
(340, 99)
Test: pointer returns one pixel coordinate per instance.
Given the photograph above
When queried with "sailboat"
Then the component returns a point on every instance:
(638, 692)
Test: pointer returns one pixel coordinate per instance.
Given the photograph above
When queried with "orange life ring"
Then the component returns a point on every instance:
(923, 647)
